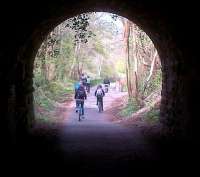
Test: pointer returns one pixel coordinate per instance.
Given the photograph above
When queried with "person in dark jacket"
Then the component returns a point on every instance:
(99, 93)
(106, 81)
(81, 95)
(83, 78)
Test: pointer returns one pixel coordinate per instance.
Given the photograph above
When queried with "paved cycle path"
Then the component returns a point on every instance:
(96, 143)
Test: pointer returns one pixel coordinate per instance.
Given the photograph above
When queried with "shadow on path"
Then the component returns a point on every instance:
(92, 147)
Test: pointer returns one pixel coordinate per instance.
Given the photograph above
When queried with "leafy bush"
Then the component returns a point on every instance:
(38, 80)
(129, 109)
(56, 90)
(40, 99)
(152, 116)
(47, 95)
(154, 83)
(96, 82)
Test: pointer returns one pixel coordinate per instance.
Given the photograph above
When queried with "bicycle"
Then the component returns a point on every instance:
(88, 88)
(106, 88)
(80, 109)
(100, 105)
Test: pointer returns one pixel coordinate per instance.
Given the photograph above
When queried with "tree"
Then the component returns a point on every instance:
(131, 61)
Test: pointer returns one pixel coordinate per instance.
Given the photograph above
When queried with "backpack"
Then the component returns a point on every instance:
(99, 93)
(84, 80)
(88, 80)
(77, 86)
(80, 94)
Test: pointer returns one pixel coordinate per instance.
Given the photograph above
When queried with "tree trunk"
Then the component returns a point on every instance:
(100, 66)
(151, 71)
(74, 71)
(135, 65)
(131, 61)
(126, 42)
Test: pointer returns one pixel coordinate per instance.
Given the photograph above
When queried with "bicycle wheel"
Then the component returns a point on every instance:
(79, 113)
(99, 106)
(79, 116)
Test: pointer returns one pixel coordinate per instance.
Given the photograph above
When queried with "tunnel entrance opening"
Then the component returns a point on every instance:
(100, 45)
(96, 137)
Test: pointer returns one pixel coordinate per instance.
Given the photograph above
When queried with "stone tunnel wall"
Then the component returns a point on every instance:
(169, 32)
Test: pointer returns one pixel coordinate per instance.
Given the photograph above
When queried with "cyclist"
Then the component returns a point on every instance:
(81, 95)
(88, 84)
(106, 83)
(84, 80)
(99, 93)
(76, 86)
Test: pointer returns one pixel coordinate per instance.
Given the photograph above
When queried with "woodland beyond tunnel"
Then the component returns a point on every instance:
(177, 51)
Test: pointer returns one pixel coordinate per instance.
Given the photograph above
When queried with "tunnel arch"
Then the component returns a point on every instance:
(174, 111)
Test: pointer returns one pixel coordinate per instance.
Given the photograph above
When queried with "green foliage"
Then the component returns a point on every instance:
(38, 79)
(41, 100)
(154, 83)
(152, 116)
(99, 48)
(108, 71)
(47, 95)
(120, 66)
(79, 24)
(96, 82)
(129, 109)
(56, 91)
